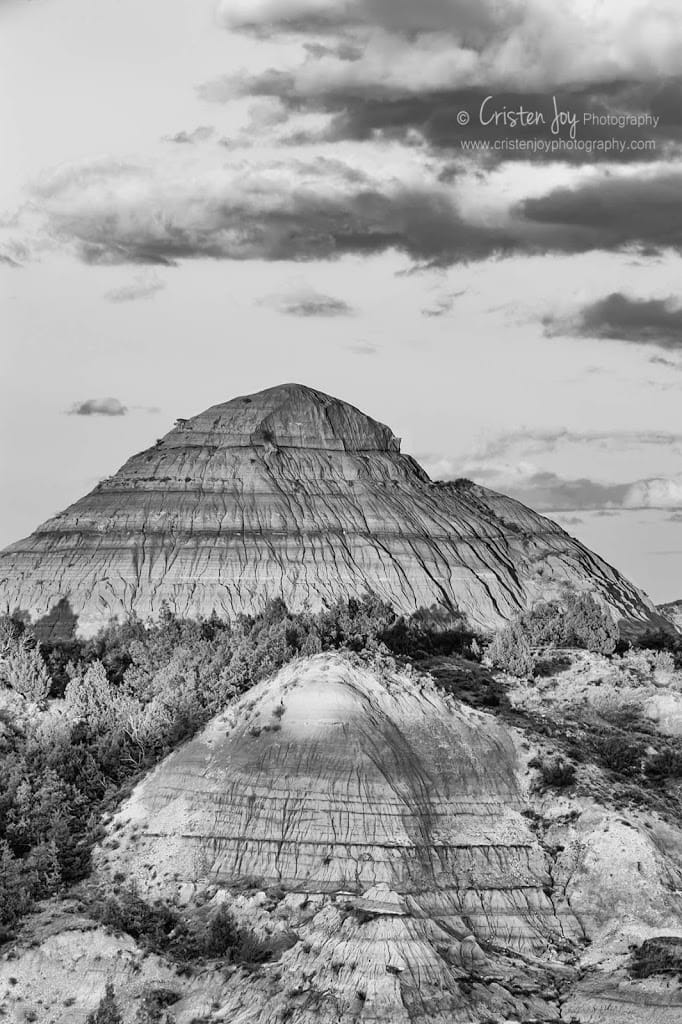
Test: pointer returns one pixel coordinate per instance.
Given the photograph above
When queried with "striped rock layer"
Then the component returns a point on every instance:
(291, 493)
(391, 809)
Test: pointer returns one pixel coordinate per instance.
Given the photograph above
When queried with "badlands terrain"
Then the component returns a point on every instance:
(291, 493)
(389, 844)
(290, 733)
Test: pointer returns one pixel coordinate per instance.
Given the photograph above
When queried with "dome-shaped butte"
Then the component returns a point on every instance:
(387, 820)
(330, 778)
(292, 494)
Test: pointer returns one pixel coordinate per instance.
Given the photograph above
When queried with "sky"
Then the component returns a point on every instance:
(463, 217)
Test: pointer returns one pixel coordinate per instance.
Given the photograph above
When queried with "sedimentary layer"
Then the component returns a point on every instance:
(390, 808)
(291, 493)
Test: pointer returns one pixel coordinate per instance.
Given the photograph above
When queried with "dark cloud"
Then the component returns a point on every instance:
(548, 491)
(399, 70)
(293, 211)
(621, 318)
(310, 304)
(473, 22)
(99, 407)
(610, 212)
(496, 117)
(325, 208)
(200, 134)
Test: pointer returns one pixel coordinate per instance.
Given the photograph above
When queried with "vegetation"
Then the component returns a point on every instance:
(662, 956)
(81, 720)
(163, 930)
(666, 642)
(107, 1012)
(578, 621)
(555, 772)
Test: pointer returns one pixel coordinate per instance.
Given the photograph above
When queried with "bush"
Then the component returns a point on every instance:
(554, 772)
(664, 662)
(590, 626)
(577, 622)
(107, 1012)
(662, 640)
(21, 664)
(511, 652)
(129, 696)
(162, 929)
(620, 754)
(657, 956)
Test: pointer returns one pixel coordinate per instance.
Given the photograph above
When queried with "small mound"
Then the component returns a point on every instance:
(332, 779)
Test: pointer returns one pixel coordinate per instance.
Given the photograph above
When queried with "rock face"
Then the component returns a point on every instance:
(392, 812)
(673, 612)
(295, 494)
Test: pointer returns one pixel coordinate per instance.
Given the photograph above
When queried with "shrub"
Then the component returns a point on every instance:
(511, 651)
(589, 625)
(660, 955)
(620, 754)
(21, 664)
(554, 772)
(163, 930)
(663, 765)
(664, 662)
(107, 1012)
(578, 621)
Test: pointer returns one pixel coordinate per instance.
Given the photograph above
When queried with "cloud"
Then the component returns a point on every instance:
(617, 317)
(99, 407)
(323, 208)
(442, 304)
(13, 253)
(611, 211)
(495, 466)
(310, 304)
(200, 134)
(142, 288)
(430, 117)
(396, 70)
(455, 42)
(363, 348)
(663, 361)
(659, 492)
(535, 442)
(292, 210)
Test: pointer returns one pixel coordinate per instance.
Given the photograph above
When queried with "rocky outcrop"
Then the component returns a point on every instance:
(290, 493)
(389, 810)
(673, 612)
(396, 853)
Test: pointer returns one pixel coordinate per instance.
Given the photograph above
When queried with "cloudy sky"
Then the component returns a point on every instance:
(463, 216)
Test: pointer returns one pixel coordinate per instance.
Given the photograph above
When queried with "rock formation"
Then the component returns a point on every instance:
(395, 852)
(391, 812)
(295, 494)
(673, 612)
